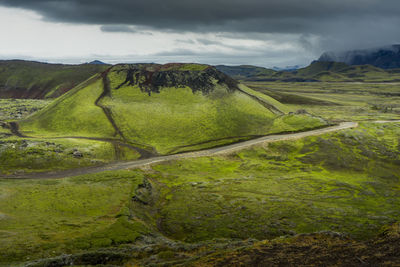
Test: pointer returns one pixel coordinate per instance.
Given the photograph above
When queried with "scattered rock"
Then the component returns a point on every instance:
(301, 111)
(24, 144)
(143, 193)
(77, 154)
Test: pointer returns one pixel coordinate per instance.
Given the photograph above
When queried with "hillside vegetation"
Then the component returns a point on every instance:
(163, 109)
(26, 79)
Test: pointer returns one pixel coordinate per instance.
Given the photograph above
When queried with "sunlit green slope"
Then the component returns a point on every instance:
(165, 109)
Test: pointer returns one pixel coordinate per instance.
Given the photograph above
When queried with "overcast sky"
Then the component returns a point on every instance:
(258, 32)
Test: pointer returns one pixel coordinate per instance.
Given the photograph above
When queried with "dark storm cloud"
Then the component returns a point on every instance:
(118, 28)
(368, 21)
(122, 29)
(258, 15)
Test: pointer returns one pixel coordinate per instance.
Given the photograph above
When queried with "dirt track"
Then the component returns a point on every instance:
(208, 152)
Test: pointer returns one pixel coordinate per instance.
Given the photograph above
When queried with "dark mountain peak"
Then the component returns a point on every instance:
(384, 57)
(317, 66)
(97, 62)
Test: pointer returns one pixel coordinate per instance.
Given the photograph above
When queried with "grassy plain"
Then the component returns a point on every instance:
(337, 101)
(22, 155)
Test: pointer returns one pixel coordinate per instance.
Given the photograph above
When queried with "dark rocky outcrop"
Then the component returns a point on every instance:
(143, 193)
(151, 78)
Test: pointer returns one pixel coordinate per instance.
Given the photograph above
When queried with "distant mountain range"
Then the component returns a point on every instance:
(384, 57)
(317, 71)
(27, 79)
(368, 65)
(288, 68)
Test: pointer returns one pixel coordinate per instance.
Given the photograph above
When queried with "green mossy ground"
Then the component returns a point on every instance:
(15, 109)
(21, 155)
(45, 218)
(346, 182)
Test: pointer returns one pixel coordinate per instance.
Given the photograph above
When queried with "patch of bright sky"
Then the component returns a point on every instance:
(25, 35)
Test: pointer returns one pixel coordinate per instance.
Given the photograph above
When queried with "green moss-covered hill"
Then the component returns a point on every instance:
(26, 79)
(165, 109)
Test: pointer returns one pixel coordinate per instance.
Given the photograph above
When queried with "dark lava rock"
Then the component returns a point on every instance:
(151, 78)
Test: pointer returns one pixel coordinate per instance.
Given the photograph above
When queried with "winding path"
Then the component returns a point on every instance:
(144, 154)
(121, 165)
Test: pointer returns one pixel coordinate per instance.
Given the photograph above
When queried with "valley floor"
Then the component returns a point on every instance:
(203, 153)
(327, 197)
